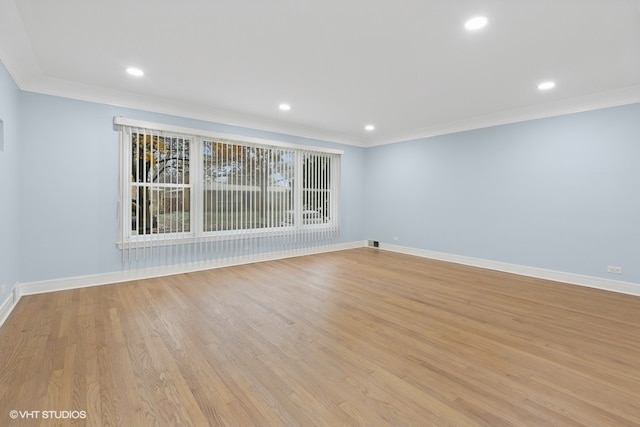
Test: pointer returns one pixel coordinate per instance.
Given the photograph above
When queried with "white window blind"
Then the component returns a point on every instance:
(193, 194)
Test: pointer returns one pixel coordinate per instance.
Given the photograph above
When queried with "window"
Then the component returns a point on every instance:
(182, 185)
(160, 189)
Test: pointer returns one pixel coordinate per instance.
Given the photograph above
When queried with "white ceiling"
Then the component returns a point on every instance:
(407, 66)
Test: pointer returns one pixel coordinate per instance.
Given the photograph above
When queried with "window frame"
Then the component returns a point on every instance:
(197, 234)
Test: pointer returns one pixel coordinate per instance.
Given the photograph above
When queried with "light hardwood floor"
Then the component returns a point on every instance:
(360, 337)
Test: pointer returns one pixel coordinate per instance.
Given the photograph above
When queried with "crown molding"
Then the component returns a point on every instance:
(89, 93)
(83, 92)
(17, 56)
(595, 101)
(23, 66)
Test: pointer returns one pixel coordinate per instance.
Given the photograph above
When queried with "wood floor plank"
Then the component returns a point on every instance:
(354, 338)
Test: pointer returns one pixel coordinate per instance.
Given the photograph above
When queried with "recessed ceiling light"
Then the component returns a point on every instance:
(476, 23)
(133, 71)
(369, 128)
(546, 85)
(284, 107)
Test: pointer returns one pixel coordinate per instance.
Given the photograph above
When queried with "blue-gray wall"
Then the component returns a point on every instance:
(559, 193)
(9, 183)
(69, 184)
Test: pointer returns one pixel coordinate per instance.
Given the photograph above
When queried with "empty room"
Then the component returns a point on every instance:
(300, 213)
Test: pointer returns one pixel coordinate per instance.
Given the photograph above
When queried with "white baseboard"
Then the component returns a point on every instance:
(540, 273)
(124, 276)
(77, 282)
(10, 302)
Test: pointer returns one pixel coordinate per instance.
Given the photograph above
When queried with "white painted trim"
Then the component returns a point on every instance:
(21, 62)
(7, 306)
(539, 273)
(18, 56)
(590, 102)
(54, 285)
(73, 90)
(25, 71)
(83, 92)
(125, 276)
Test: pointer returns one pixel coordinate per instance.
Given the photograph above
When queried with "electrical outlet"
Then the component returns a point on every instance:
(614, 269)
